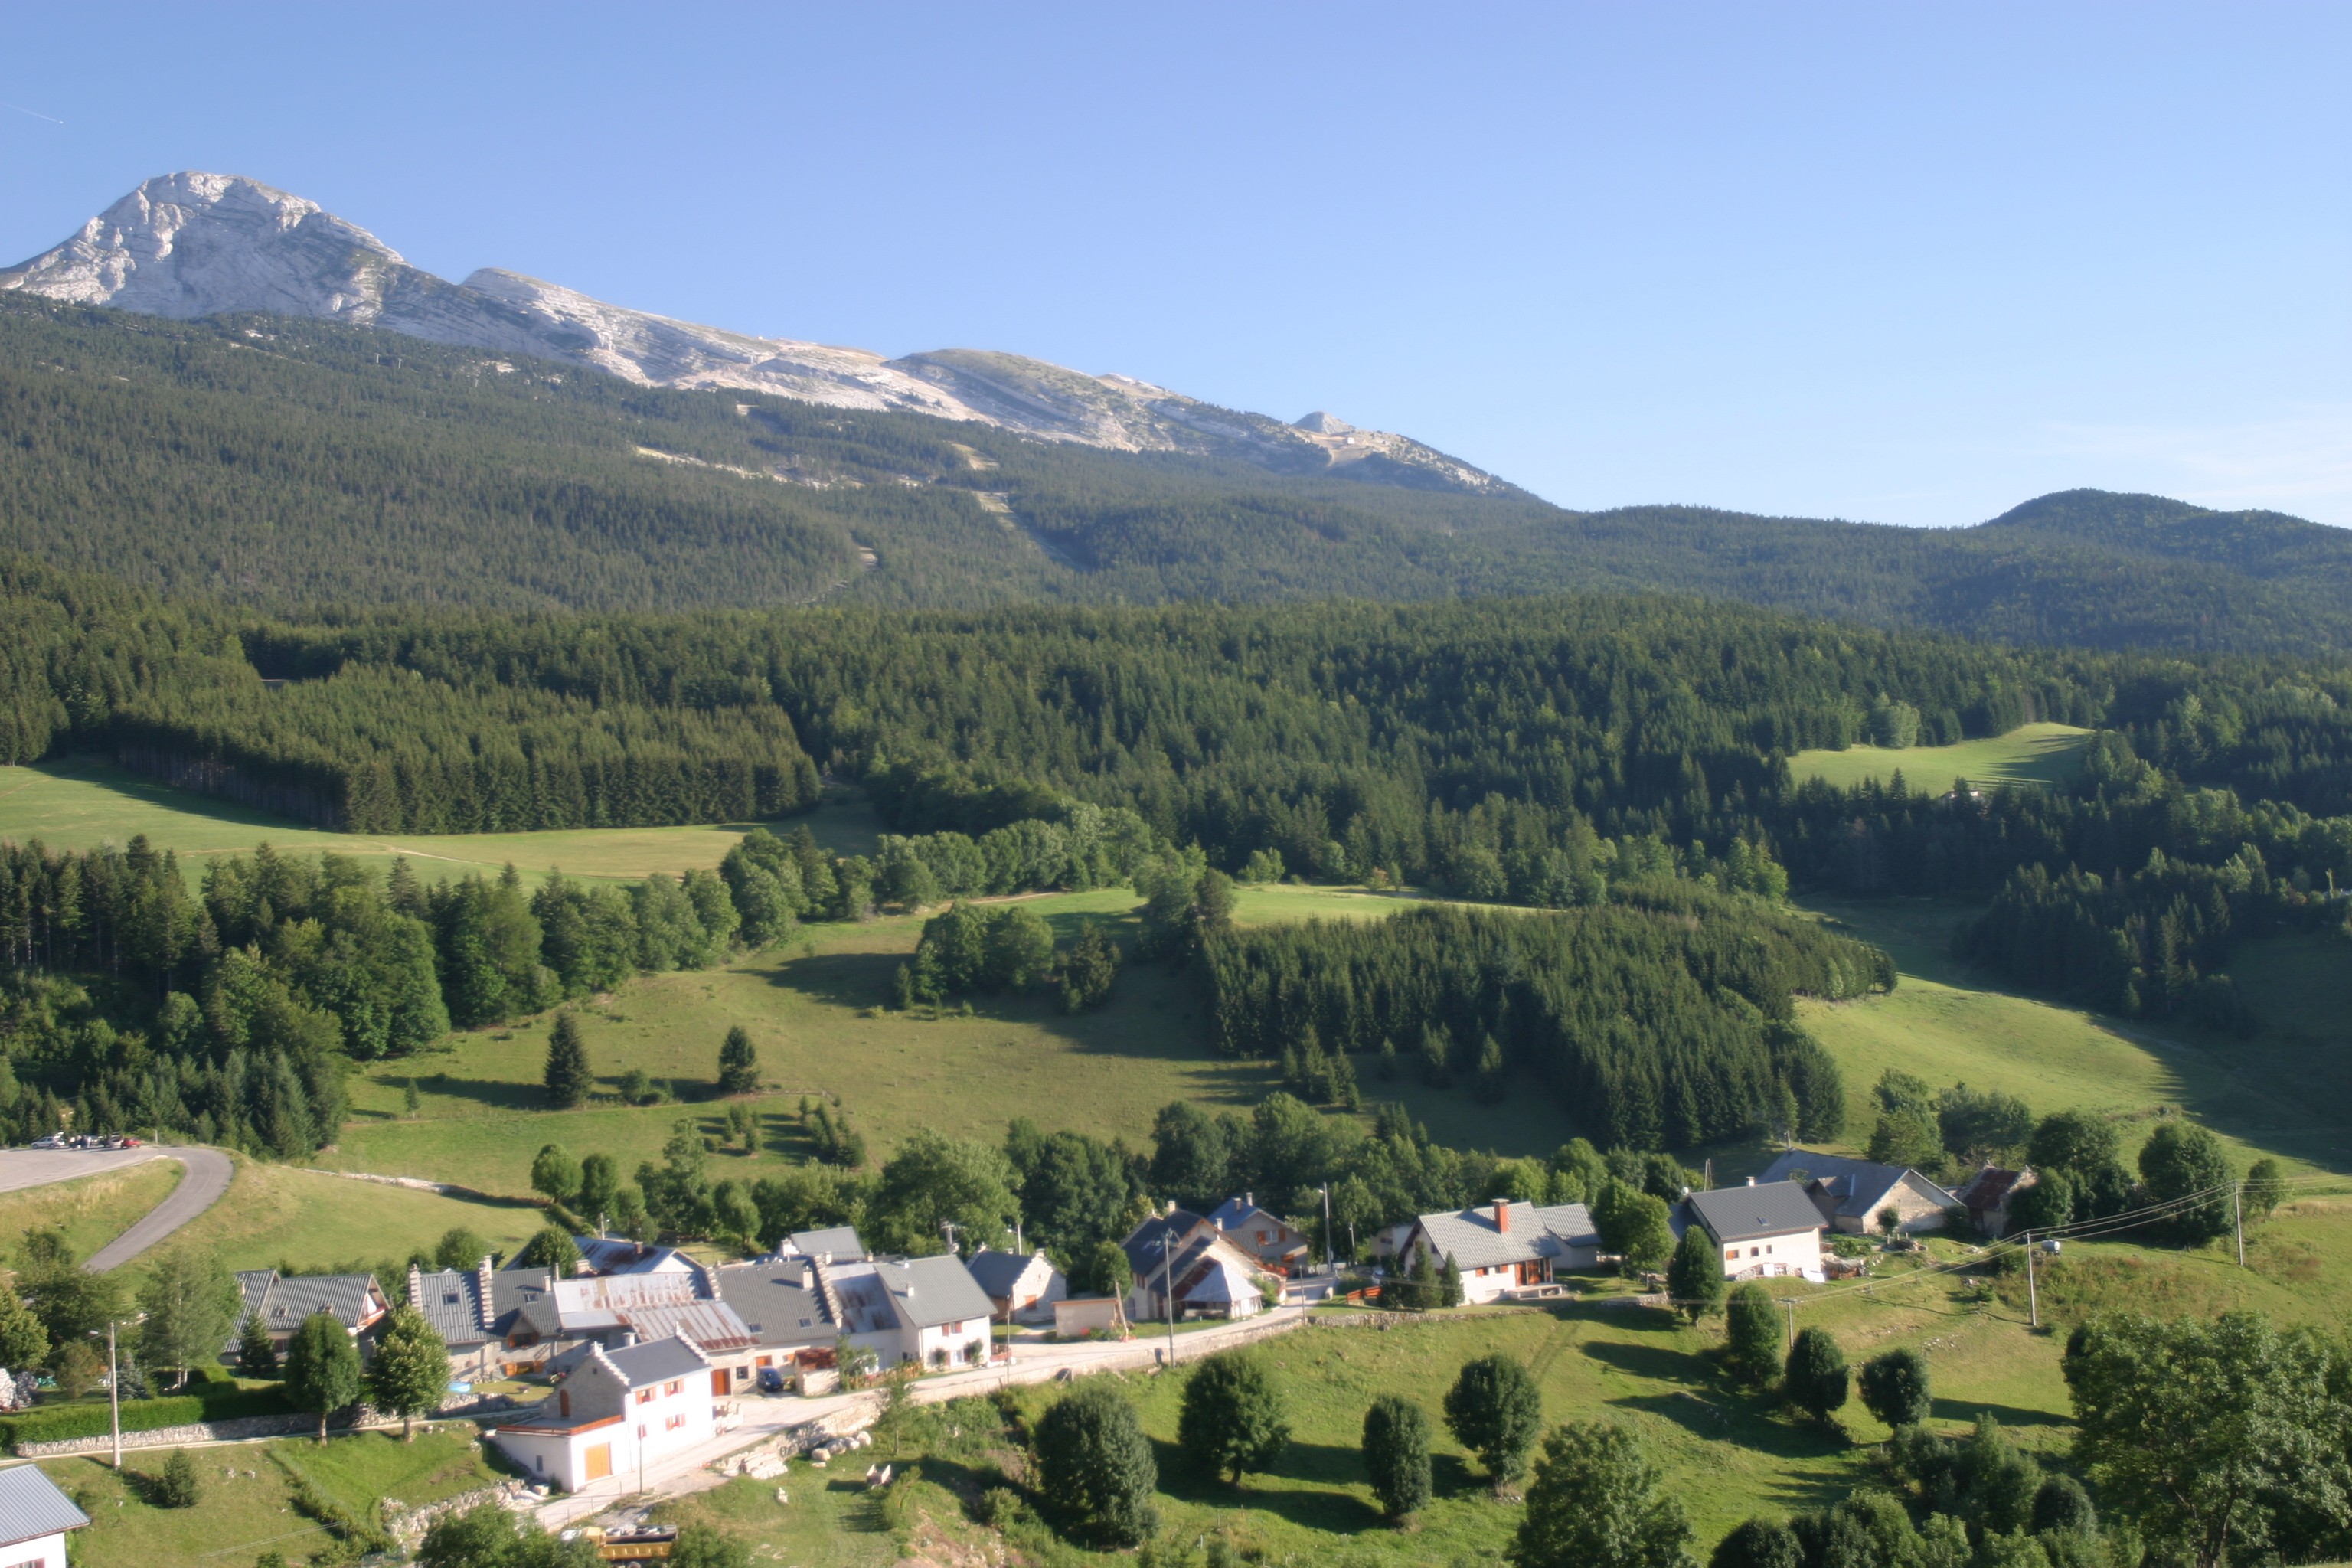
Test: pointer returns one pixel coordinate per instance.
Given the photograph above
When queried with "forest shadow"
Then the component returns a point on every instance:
(1966, 1411)
(503, 1094)
(841, 979)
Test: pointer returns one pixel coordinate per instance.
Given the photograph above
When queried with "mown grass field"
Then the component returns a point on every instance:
(91, 1210)
(2278, 1093)
(274, 1215)
(2031, 753)
(238, 1519)
(79, 804)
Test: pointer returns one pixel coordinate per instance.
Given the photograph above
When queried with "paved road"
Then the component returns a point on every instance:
(208, 1177)
(764, 1416)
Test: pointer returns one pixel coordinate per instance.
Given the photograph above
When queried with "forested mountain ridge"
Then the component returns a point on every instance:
(292, 464)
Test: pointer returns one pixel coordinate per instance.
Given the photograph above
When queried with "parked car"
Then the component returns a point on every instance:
(54, 1140)
(771, 1379)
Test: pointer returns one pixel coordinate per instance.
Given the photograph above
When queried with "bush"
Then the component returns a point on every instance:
(1094, 1468)
(62, 1423)
(177, 1486)
(1231, 1421)
(1496, 1411)
(1759, 1543)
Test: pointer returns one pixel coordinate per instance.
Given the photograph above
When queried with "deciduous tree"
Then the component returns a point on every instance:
(1094, 1468)
(1599, 1501)
(1495, 1410)
(1231, 1420)
(1396, 1453)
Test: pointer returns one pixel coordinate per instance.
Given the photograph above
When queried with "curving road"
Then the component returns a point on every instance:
(208, 1177)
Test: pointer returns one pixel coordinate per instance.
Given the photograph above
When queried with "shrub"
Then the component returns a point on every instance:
(1495, 1410)
(1751, 1348)
(1598, 1501)
(1894, 1387)
(1758, 1543)
(1816, 1380)
(178, 1485)
(1094, 1468)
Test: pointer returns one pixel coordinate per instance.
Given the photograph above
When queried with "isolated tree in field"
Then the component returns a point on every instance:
(1598, 1501)
(556, 1175)
(460, 1248)
(1894, 1387)
(738, 1063)
(567, 1078)
(1759, 1543)
(322, 1369)
(551, 1249)
(1094, 1468)
(256, 1352)
(411, 1369)
(191, 1302)
(2263, 1188)
(1694, 1275)
(1396, 1454)
(178, 1485)
(1816, 1380)
(1231, 1422)
(23, 1342)
(1495, 1410)
(2184, 1164)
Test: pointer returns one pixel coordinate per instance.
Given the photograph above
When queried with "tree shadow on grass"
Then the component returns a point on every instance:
(1966, 1411)
(840, 979)
(1656, 1362)
(502, 1094)
(1324, 1467)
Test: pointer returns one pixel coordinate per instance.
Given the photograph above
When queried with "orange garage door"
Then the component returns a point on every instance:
(600, 1462)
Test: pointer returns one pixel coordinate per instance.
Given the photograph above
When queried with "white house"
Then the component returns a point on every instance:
(919, 1312)
(1504, 1247)
(35, 1518)
(1853, 1194)
(1182, 1255)
(1765, 1230)
(1022, 1289)
(616, 1413)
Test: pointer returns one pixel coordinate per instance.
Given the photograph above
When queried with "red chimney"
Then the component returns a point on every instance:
(1503, 1213)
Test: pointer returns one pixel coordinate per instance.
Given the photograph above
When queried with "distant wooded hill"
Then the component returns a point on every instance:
(297, 463)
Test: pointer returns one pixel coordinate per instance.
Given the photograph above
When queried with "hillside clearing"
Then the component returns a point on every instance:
(2031, 753)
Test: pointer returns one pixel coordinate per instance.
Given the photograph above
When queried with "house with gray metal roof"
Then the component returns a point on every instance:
(1266, 1237)
(834, 1244)
(1765, 1230)
(920, 1311)
(614, 1413)
(35, 1517)
(1019, 1288)
(282, 1301)
(1504, 1247)
(1183, 1257)
(1853, 1194)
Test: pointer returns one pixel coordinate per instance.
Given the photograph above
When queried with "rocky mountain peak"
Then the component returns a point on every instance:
(194, 244)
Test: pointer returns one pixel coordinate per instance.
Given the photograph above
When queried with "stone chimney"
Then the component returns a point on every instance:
(1502, 1215)
(416, 1287)
(487, 1305)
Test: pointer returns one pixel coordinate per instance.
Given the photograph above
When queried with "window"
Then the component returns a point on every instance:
(675, 1385)
(645, 1396)
(674, 1422)
(1755, 1252)
(1731, 1255)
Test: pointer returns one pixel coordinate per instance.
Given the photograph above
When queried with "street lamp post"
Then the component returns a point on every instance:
(114, 1383)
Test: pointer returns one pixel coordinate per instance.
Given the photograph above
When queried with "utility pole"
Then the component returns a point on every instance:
(2032, 1295)
(1167, 1291)
(948, 1227)
(1789, 1304)
(114, 1394)
(1327, 1269)
(2238, 1219)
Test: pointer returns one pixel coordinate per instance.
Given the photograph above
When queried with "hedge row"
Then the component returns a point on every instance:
(63, 1423)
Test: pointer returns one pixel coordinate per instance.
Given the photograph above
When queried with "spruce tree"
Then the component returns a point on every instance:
(1816, 1380)
(568, 1079)
(1396, 1453)
(1751, 1349)
(1694, 1276)
(738, 1063)
(1449, 1288)
(256, 1352)
(1231, 1419)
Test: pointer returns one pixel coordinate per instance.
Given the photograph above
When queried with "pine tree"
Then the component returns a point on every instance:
(1094, 1468)
(1495, 1410)
(1751, 1347)
(1450, 1285)
(1816, 1379)
(256, 1352)
(738, 1063)
(568, 1080)
(1695, 1274)
(1231, 1418)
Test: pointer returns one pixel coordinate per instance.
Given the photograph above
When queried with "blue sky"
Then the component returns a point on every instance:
(1903, 263)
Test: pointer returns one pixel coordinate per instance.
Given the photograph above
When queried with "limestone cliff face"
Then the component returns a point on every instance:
(194, 244)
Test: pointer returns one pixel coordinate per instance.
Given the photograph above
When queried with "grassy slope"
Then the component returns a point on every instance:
(2274, 1094)
(2033, 754)
(811, 1011)
(91, 1211)
(238, 1519)
(81, 804)
(274, 1215)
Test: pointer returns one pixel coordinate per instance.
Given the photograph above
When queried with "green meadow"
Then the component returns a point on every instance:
(2031, 753)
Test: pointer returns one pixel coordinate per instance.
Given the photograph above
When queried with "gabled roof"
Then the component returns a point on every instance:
(283, 1300)
(1747, 1214)
(655, 1361)
(928, 1291)
(1234, 1212)
(838, 1242)
(31, 1506)
(778, 1302)
(1179, 1227)
(997, 1273)
(451, 1301)
(1855, 1188)
(592, 1303)
(1472, 1239)
(618, 1255)
(713, 1326)
(1990, 1187)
